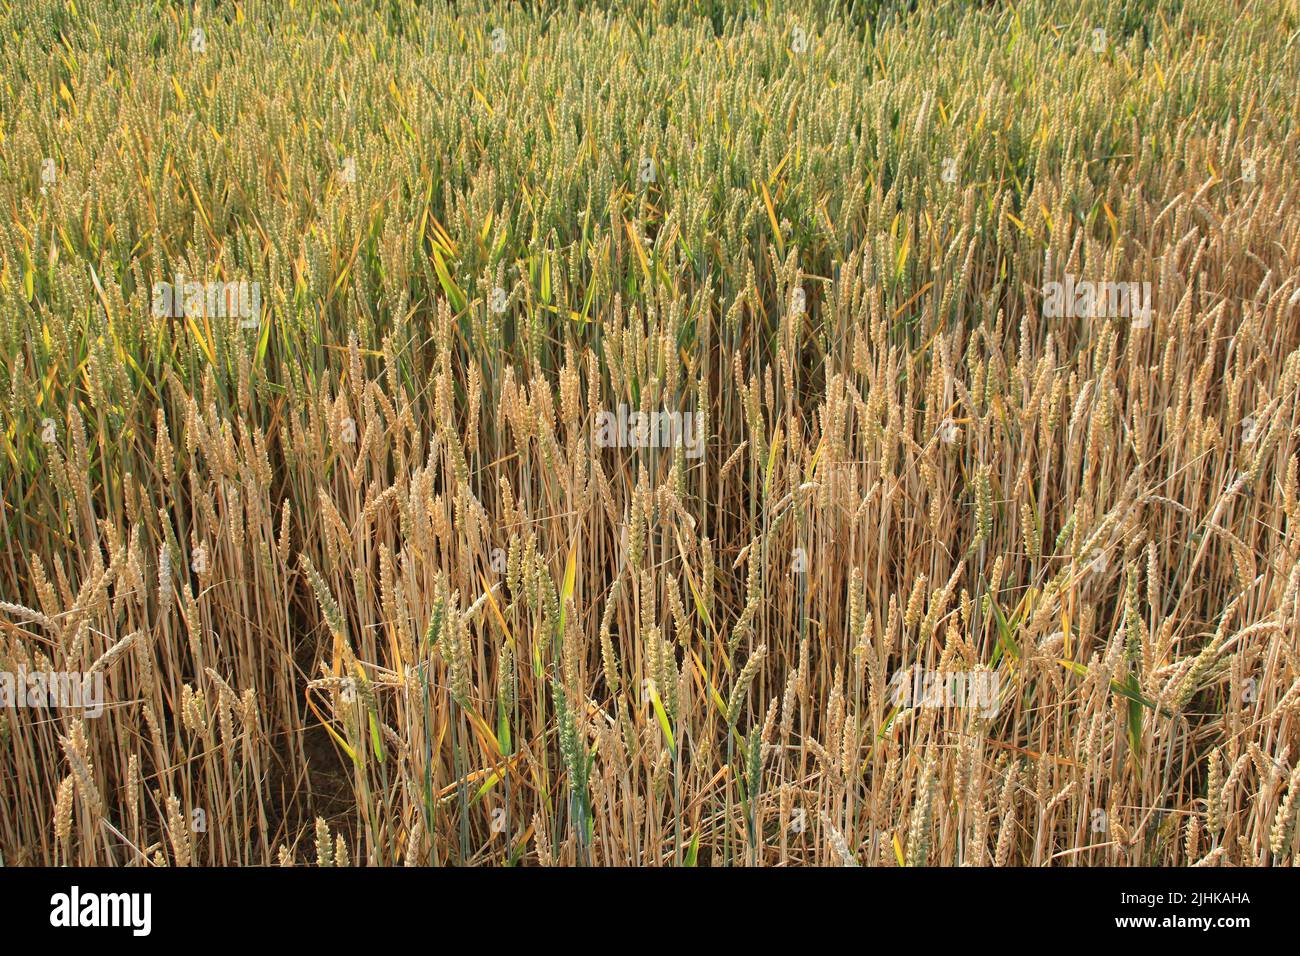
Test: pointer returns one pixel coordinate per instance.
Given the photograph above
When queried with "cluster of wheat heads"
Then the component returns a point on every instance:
(369, 577)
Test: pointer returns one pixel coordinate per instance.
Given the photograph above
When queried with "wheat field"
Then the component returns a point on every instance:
(650, 433)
